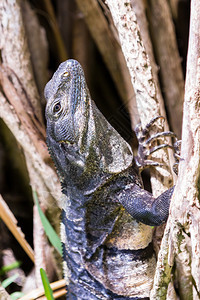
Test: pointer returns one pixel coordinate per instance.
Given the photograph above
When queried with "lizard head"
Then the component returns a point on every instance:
(78, 135)
(65, 94)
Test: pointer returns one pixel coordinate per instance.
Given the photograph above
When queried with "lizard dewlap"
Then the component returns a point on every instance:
(107, 215)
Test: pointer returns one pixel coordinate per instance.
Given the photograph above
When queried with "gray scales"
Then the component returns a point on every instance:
(107, 216)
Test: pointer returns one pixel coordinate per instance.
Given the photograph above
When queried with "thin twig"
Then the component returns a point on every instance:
(9, 219)
(62, 52)
(16, 95)
(56, 294)
(35, 294)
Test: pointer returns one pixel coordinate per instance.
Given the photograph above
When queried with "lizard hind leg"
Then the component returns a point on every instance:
(146, 141)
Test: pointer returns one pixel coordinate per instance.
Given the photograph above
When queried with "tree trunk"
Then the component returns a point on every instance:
(182, 237)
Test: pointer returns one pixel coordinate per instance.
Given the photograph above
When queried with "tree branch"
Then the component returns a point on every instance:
(167, 55)
(14, 50)
(141, 75)
(110, 50)
(185, 209)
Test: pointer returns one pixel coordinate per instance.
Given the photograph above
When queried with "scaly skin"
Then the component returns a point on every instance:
(107, 247)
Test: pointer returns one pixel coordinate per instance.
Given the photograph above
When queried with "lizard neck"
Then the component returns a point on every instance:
(99, 153)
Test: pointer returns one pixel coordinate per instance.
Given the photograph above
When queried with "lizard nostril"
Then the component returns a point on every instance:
(66, 74)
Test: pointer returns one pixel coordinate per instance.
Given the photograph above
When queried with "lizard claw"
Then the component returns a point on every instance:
(145, 148)
(141, 133)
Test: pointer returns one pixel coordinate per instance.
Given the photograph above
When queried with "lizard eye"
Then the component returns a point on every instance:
(57, 107)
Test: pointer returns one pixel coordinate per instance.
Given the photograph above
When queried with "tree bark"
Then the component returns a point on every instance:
(14, 50)
(3, 294)
(20, 106)
(185, 210)
(168, 58)
(139, 8)
(142, 79)
(111, 52)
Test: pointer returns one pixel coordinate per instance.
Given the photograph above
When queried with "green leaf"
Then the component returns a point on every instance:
(14, 265)
(47, 289)
(50, 232)
(16, 295)
(5, 283)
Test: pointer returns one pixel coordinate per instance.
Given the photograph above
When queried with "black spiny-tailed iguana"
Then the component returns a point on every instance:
(107, 240)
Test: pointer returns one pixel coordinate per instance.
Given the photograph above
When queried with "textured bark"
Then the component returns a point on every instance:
(167, 55)
(185, 209)
(3, 294)
(111, 52)
(174, 8)
(16, 95)
(140, 8)
(43, 178)
(142, 79)
(140, 11)
(37, 43)
(183, 267)
(14, 50)
(136, 58)
(141, 75)
(43, 253)
(46, 181)
(8, 259)
(20, 107)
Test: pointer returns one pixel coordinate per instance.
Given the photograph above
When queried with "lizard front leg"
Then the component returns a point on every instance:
(140, 204)
(143, 207)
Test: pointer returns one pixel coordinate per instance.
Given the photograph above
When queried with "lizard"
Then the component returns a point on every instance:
(107, 216)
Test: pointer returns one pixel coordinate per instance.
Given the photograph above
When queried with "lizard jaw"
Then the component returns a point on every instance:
(69, 145)
(66, 142)
(72, 153)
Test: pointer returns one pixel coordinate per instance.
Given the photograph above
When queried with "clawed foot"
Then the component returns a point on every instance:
(145, 148)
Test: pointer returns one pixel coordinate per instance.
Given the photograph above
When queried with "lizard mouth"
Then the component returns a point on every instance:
(66, 142)
(72, 152)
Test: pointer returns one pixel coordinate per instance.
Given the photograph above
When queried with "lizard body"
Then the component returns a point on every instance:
(107, 240)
